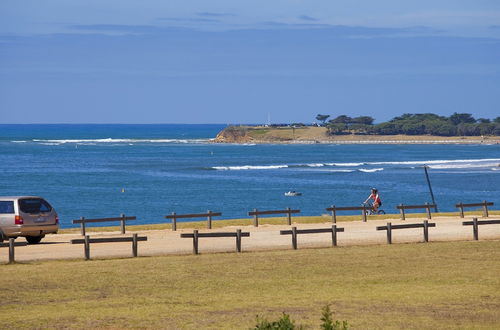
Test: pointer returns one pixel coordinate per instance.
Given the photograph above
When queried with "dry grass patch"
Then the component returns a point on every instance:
(436, 285)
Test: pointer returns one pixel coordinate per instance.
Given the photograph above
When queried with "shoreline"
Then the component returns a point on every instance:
(318, 135)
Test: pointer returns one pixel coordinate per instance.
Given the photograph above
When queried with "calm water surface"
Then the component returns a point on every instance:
(152, 170)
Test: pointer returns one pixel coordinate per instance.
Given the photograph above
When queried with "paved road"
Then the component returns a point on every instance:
(265, 237)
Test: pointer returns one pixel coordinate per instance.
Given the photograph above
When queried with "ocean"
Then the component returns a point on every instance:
(149, 171)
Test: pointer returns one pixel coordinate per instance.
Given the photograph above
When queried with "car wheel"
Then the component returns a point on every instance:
(33, 239)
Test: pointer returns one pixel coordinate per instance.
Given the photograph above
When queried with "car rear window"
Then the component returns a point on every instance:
(6, 207)
(34, 205)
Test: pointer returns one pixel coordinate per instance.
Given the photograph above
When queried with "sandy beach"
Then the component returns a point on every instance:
(264, 237)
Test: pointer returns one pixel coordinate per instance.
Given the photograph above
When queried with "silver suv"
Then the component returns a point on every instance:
(29, 216)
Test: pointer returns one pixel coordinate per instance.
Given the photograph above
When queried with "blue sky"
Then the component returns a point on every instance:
(64, 61)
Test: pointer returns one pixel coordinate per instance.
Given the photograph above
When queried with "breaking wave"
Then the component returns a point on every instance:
(371, 170)
(371, 166)
(115, 141)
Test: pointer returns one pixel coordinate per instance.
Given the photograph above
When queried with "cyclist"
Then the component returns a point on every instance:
(377, 202)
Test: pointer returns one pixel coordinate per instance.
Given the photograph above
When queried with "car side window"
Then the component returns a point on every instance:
(6, 207)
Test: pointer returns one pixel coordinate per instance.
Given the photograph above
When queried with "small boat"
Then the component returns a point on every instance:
(293, 193)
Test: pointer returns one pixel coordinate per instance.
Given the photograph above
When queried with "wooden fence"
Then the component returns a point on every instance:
(427, 206)
(255, 213)
(484, 204)
(174, 216)
(475, 225)
(390, 227)
(196, 235)
(87, 240)
(83, 221)
(334, 210)
(294, 232)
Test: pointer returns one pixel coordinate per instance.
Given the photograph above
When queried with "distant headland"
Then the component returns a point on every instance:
(405, 129)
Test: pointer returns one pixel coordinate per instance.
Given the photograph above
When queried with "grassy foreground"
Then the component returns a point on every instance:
(417, 286)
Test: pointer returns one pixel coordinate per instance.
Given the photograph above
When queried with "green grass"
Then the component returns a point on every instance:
(448, 285)
(265, 221)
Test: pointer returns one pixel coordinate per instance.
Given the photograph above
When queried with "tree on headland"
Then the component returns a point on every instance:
(462, 118)
(458, 124)
(342, 119)
(365, 120)
(322, 118)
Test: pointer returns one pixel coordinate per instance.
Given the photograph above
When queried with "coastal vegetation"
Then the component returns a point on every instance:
(440, 285)
(458, 124)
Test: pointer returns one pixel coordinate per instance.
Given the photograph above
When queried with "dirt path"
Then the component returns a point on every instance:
(265, 237)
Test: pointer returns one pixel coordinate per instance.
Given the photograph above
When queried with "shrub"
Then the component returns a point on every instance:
(285, 323)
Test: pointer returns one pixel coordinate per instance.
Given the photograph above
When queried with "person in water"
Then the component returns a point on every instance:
(377, 202)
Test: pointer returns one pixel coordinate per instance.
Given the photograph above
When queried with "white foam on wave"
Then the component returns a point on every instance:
(430, 162)
(249, 167)
(110, 140)
(344, 164)
(370, 170)
(18, 141)
(50, 144)
(466, 165)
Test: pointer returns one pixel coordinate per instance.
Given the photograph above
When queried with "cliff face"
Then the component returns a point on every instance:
(233, 134)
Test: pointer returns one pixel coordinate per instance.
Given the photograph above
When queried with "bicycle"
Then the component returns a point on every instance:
(370, 210)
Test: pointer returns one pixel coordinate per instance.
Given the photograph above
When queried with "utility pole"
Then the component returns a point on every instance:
(430, 188)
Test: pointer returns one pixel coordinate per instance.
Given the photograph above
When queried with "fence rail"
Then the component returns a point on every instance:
(196, 235)
(174, 216)
(361, 208)
(427, 206)
(484, 204)
(255, 213)
(294, 232)
(476, 223)
(87, 241)
(83, 221)
(389, 227)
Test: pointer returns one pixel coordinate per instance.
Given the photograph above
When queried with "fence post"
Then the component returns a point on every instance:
(289, 213)
(82, 226)
(364, 213)
(122, 223)
(86, 247)
(255, 218)
(174, 222)
(334, 235)
(195, 241)
(11, 251)
(209, 219)
(485, 209)
(428, 210)
(402, 212)
(461, 206)
(134, 245)
(426, 230)
(475, 229)
(294, 238)
(334, 214)
(389, 233)
(238, 240)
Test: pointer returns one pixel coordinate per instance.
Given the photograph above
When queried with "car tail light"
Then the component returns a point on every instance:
(57, 219)
(19, 220)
